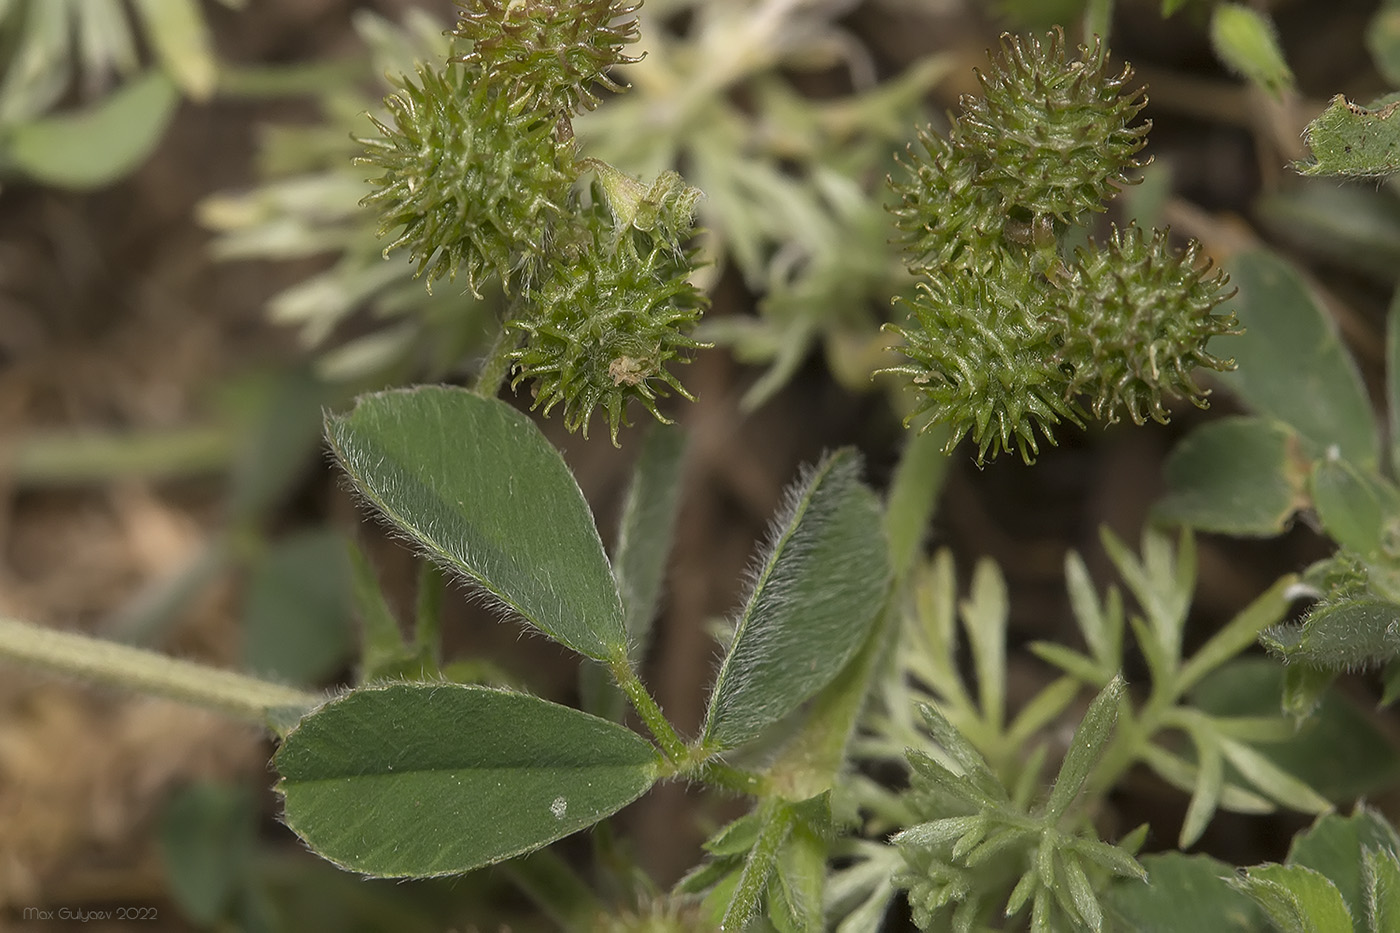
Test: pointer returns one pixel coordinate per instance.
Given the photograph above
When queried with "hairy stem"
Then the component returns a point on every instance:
(496, 367)
(661, 729)
(104, 662)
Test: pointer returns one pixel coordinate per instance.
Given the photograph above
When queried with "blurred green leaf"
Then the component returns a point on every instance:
(207, 834)
(1292, 365)
(418, 780)
(819, 588)
(384, 654)
(1239, 476)
(1356, 508)
(984, 614)
(1351, 140)
(476, 484)
(93, 147)
(1383, 41)
(1183, 893)
(1304, 686)
(1355, 226)
(1247, 42)
(645, 533)
(283, 409)
(296, 614)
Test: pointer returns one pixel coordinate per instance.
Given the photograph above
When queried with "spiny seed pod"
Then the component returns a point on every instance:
(547, 55)
(1135, 317)
(471, 181)
(947, 220)
(984, 362)
(605, 321)
(1052, 133)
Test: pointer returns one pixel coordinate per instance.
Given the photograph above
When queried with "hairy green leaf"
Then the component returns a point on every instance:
(819, 588)
(1383, 41)
(1381, 877)
(1341, 635)
(1335, 846)
(416, 780)
(1348, 139)
(1296, 899)
(475, 483)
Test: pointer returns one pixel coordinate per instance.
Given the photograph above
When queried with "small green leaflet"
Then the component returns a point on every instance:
(417, 780)
(1347, 139)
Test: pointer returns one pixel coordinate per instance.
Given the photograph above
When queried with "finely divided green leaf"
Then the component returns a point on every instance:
(474, 482)
(1291, 364)
(1348, 139)
(1088, 744)
(820, 586)
(416, 780)
(1239, 476)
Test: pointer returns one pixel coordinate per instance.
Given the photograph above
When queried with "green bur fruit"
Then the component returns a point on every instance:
(472, 182)
(1009, 335)
(1143, 314)
(602, 326)
(981, 359)
(1051, 133)
(547, 55)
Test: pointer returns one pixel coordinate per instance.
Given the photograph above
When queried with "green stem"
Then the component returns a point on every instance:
(918, 479)
(758, 867)
(661, 729)
(111, 664)
(556, 889)
(427, 629)
(496, 367)
(76, 457)
(1098, 19)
